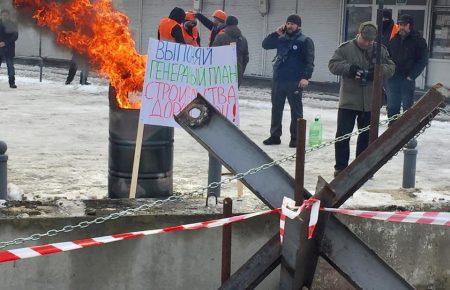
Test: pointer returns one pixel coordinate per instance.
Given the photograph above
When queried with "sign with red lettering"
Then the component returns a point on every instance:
(175, 73)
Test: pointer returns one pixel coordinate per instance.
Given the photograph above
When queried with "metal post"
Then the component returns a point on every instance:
(3, 170)
(409, 164)
(214, 174)
(41, 67)
(41, 62)
(300, 161)
(226, 240)
(377, 93)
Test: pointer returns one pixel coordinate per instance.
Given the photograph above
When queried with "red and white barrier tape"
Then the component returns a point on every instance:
(427, 217)
(48, 249)
(290, 210)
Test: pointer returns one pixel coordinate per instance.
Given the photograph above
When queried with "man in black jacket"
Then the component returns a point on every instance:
(8, 37)
(408, 50)
(232, 34)
(292, 69)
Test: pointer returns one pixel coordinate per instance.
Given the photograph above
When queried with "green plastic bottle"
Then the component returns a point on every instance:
(315, 132)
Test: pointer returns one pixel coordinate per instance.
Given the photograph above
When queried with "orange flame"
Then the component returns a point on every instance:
(99, 32)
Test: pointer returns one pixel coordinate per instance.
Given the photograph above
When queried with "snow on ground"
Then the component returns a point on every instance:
(57, 138)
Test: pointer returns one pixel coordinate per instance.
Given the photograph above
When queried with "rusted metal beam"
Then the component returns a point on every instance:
(239, 154)
(226, 240)
(256, 269)
(302, 265)
(377, 91)
(300, 161)
(388, 144)
(236, 152)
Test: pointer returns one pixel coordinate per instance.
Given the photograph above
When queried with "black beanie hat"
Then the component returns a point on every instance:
(406, 18)
(294, 18)
(387, 14)
(231, 20)
(177, 14)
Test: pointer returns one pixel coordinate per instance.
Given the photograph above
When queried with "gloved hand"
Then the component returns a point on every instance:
(353, 70)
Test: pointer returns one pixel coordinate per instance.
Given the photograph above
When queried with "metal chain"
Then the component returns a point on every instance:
(347, 136)
(85, 224)
(444, 111)
(144, 207)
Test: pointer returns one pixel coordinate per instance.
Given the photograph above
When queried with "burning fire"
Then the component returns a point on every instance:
(95, 29)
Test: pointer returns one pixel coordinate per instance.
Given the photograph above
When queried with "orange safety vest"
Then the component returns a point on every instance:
(190, 39)
(394, 31)
(165, 29)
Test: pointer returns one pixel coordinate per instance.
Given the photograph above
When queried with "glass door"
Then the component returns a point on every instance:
(358, 11)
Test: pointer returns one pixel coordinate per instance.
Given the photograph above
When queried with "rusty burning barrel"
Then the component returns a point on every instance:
(155, 170)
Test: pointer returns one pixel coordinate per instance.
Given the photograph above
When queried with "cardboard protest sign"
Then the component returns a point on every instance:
(176, 72)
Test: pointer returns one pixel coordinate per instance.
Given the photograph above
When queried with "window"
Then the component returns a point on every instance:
(356, 16)
(440, 38)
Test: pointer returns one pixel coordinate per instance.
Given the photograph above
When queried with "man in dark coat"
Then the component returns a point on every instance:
(232, 34)
(408, 50)
(8, 37)
(292, 69)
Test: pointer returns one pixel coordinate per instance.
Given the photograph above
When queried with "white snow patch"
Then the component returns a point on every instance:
(57, 137)
(14, 192)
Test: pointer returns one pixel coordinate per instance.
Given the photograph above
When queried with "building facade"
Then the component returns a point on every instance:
(327, 22)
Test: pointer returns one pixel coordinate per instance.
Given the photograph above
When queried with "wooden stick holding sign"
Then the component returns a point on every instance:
(137, 159)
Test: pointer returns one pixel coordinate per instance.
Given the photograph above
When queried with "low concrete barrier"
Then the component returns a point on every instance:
(192, 259)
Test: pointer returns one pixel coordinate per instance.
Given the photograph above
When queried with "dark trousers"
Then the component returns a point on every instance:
(10, 65)
(400, 93)
(345, 123)
(281, 91)
(74, 63)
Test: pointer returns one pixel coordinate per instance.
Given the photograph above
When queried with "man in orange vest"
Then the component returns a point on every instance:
(390, 28)
(170, 27)
(215, 26)
(190, 30)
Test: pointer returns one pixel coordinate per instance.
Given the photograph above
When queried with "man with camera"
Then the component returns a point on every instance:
(354, 62)
(292, 69)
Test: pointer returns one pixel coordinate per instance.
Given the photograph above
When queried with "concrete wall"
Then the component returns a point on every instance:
(321, 21)
(192, 259)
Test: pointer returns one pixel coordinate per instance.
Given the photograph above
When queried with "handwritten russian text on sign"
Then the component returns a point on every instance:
(177, 72)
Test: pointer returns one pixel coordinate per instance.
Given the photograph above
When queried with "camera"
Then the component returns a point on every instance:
(364, 76)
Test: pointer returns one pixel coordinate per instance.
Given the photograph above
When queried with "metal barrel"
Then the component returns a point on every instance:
(155, 177)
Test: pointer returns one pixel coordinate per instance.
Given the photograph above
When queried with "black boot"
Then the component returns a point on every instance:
(272, 141)
(12, 83)
(72, 73)
(293, 143)
(83, 79)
